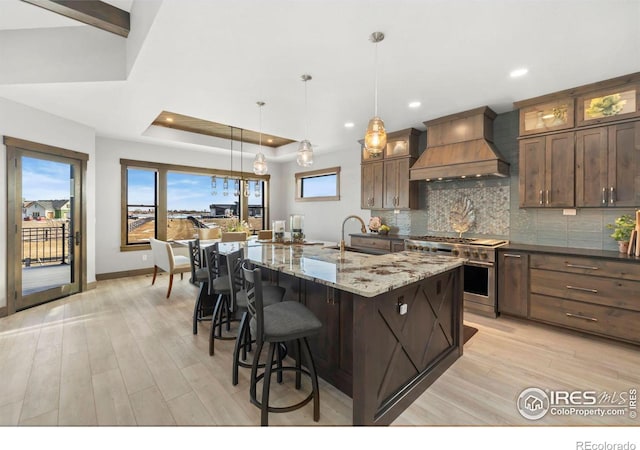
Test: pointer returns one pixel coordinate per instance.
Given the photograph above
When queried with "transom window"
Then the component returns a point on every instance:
(318, 185)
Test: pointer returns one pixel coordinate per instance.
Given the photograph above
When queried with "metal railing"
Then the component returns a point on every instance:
(45, 245)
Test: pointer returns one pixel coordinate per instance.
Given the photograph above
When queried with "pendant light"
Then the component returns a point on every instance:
(305, 150)
(225, 183)
(256, 191)
(375, 139)
(214, 186)
(260, 163)
(245, 183)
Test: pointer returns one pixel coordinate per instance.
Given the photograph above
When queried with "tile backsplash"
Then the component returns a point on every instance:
(497, 211)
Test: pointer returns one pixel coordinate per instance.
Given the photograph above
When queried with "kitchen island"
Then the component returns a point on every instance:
(392, 324)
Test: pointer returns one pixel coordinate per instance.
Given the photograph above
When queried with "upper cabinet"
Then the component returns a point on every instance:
(609, 105)
(549, 116)
(385, 178)
(608, 166)
(581, 147)
(546, 171)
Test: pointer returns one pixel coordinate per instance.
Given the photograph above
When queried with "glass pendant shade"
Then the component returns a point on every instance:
(225, 187)
(245, 191)
(236, 190)
(375, 139)
(260, 164)
(214, 186)
(305, 154)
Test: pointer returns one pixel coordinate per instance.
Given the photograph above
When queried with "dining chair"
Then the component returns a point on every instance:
(209, 233)
(265, 234)
(165, 259)
(275, 325)
(233, 236)
(198, 272)
(271, 294)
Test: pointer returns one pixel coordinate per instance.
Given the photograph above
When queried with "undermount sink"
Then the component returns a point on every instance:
(366, 251)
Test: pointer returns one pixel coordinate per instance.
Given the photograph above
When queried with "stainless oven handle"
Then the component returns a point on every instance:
(479, 263)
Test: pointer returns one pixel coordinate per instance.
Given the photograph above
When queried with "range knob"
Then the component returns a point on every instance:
(467, 253)
(483, 255)
(434, 249)
(455, 252)
(475, 253)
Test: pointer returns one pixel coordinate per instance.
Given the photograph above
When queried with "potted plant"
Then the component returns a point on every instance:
(622, 228)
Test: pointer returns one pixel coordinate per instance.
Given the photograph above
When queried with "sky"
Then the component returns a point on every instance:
(44, 180)
(48, 180)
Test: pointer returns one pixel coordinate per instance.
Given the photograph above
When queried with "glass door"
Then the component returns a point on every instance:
(44, 252)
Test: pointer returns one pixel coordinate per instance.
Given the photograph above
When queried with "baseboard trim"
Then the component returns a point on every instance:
(123, 274)
(92, 285)
(3, 311)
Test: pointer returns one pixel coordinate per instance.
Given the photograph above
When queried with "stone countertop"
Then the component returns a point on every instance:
(570, 251)
(360, 274)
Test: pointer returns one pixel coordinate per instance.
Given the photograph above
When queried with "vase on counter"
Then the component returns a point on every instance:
(278, 227)
(623, 246)
(296, 224)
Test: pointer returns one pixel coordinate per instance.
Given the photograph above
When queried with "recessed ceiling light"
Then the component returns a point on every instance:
(169, 119)
(414, 104)
(518, 72)
(349, 124)
(270, 141)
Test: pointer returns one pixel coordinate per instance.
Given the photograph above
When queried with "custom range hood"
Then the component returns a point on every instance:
(460, 146)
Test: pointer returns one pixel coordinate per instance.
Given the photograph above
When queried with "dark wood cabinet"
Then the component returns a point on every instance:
(547, 168)
(385, 178)
(587, 294)
(372, 185)
(513, 283)
(608, 166)
(399, 192)
(373, 241)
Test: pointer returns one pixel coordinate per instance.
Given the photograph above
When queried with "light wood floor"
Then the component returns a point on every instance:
(123, 354)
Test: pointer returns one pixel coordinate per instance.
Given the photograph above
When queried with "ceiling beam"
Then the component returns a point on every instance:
(92, 12)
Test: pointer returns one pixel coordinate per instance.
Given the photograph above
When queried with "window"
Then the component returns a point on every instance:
(318, 185)
(142, 205)
(170, 202)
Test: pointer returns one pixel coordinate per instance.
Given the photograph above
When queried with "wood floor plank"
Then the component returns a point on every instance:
(188, 410)
(112, 400)
(125, 355)
(77, 406)
(150, 409)
(10, 413)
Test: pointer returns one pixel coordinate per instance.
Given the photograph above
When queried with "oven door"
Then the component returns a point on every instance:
(479, 283)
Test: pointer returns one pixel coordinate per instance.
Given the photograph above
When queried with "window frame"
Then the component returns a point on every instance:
(161, 195)
(301, 176)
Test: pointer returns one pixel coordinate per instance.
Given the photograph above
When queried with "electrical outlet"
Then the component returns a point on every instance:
(144, 257)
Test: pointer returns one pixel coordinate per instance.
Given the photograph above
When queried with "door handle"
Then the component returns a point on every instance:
(604, 196)
(612, 195)
(77, 238)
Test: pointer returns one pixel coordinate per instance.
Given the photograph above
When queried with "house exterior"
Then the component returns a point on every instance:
(49, 209)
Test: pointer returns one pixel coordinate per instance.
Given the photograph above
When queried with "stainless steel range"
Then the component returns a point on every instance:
(480, 282)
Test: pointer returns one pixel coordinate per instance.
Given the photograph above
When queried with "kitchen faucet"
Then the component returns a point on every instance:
(364, 229)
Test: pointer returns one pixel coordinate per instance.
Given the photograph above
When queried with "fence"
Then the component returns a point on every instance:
(45, 245)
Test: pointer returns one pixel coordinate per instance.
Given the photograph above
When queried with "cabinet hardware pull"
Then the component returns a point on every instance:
(578, 316)
(511, 255)
(612, 195)
(541, 201)
(576, 288)
(580, 266)
(548, 197)
(604, 196)
(479, 264)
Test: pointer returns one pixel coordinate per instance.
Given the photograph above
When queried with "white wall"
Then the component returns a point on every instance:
(23, 122)
(323, 220)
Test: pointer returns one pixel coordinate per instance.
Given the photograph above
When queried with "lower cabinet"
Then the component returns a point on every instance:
(587, 294)
(378, 243)
(513, 283)
(332, 348)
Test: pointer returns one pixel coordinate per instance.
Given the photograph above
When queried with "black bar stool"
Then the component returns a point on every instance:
(219, 286)
(275, 325)
(271, 294)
